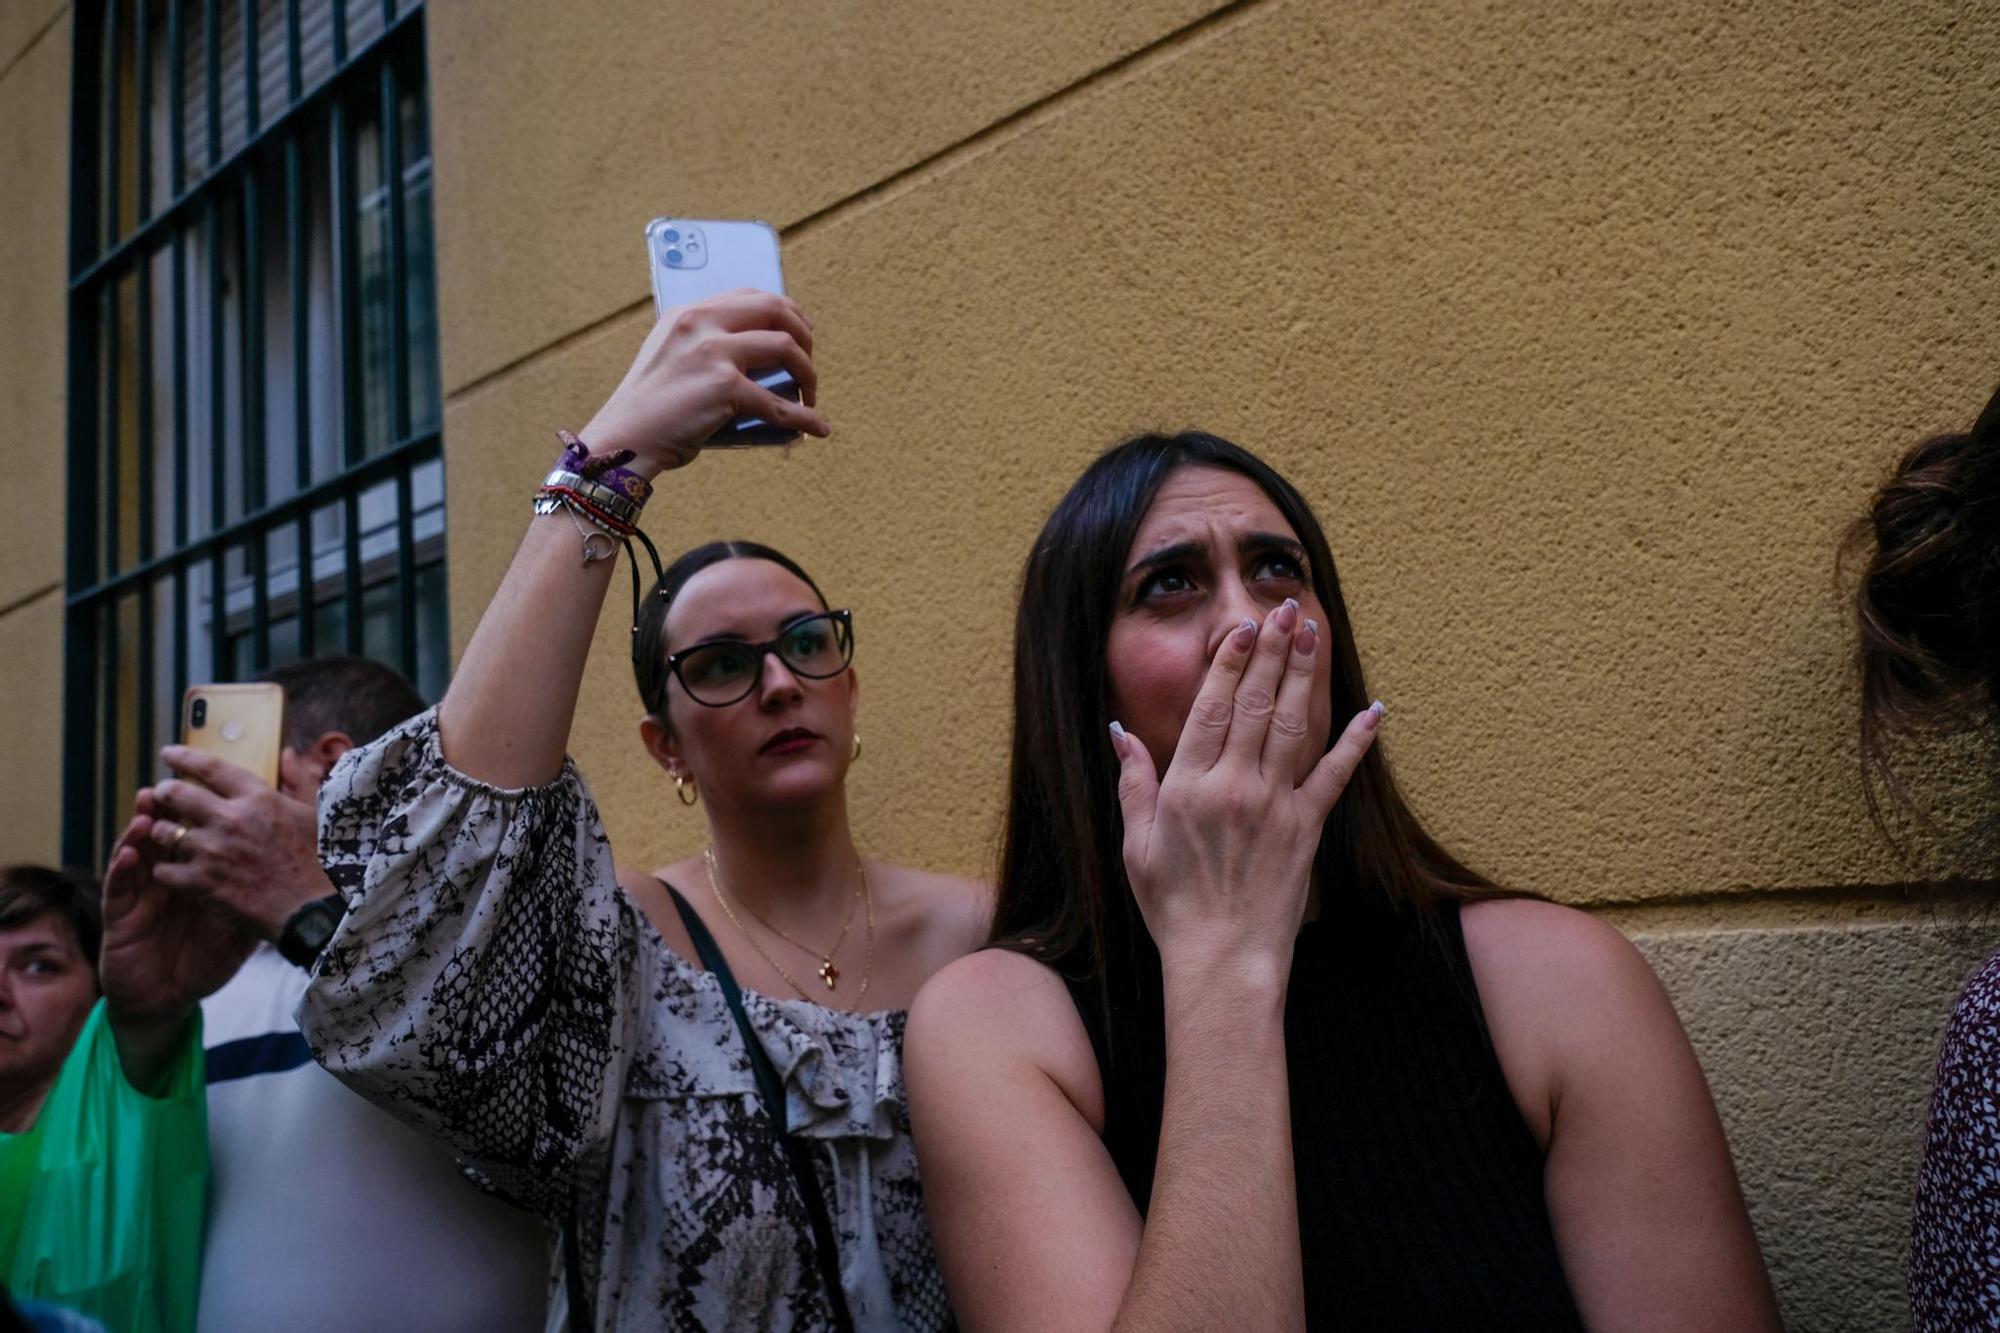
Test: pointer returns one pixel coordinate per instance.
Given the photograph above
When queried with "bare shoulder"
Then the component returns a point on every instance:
(955, 912)
(1000, 1013)
(1561, 991)
(1537, 949)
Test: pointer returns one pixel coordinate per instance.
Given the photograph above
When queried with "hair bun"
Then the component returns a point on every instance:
(1928, 606)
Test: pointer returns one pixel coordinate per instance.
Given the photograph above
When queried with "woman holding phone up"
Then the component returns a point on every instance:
(1252, 1050)
(698, 1079)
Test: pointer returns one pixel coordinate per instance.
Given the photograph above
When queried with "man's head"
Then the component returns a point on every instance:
(49, 929)
(333, 704)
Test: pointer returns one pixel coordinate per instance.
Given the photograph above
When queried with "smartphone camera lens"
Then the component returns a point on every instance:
(198, 713)
(673, 256)
(670, 236)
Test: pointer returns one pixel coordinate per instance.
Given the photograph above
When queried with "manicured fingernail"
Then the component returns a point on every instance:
(1118, 739)
(1377, 711)
(1308, 637)
(1245, 634)
(1288, 614)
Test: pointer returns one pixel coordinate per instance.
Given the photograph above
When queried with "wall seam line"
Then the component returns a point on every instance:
(23, 603)
(948, 158)
(33, 42)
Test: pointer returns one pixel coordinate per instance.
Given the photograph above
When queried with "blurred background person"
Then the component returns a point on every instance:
(101, 1179)
(324, 1212)
(1927, 610)
(49, 927)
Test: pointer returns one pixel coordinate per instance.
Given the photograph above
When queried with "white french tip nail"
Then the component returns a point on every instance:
(1248, 623)
(1118, 731)
(1312, 625)
(1378, 708)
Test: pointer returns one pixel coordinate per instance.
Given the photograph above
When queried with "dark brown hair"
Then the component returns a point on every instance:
(1063, 897)
(28, 893)
(356, 696)
(1927, 606)
(649, 649)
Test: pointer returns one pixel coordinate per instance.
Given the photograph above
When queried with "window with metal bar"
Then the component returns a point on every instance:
(254, 464)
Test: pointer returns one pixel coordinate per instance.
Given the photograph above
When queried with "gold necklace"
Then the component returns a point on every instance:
(828, 972)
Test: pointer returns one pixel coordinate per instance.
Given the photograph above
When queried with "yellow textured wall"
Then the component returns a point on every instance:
(34, 180)
(1587, 327)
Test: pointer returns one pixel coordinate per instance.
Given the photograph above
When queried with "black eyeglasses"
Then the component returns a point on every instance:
(722, 671)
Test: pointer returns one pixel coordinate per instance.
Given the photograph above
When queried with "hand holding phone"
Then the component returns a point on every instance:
(693, 260)
(693, 375)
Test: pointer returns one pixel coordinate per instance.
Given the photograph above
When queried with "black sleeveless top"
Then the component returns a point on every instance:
(1419, 1185)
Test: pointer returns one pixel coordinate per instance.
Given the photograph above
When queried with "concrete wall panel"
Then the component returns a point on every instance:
(1820, 1045)
(34, 179)
(563, 128)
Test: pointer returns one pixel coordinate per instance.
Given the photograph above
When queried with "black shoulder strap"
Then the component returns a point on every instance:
(825, 1255)
(579, 1319)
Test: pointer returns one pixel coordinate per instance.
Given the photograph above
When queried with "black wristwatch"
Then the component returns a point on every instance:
(309, 928)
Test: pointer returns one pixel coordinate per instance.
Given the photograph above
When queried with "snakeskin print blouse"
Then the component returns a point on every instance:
(492, 986)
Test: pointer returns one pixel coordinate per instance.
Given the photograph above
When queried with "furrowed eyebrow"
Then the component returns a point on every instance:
(1258, 543)
(1168, 555)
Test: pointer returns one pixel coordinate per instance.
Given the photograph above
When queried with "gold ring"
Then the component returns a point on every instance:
(174, 844)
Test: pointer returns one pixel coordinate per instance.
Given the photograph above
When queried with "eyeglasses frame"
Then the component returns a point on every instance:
(842, 618)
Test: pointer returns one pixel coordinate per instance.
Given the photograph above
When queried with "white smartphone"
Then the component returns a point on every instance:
(694, 258)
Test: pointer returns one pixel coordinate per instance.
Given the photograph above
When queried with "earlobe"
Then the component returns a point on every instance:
(659, 742)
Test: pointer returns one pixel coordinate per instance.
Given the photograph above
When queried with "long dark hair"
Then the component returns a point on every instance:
(649, 652)
(1927, 606)
(1063, 897)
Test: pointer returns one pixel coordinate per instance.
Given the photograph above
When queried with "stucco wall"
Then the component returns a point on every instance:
(34, 180)
(1587, 327)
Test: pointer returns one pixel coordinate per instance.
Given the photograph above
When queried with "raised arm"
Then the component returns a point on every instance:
(506, 717)
(1034, 1227)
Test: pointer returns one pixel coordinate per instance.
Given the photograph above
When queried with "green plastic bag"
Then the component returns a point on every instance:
(101, 1203)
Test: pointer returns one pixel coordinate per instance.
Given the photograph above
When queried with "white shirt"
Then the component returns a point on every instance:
(327, 1213)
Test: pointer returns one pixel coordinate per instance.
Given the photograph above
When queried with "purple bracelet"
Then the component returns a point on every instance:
(605, 469)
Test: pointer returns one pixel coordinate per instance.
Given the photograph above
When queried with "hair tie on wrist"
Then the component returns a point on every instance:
(598, 489)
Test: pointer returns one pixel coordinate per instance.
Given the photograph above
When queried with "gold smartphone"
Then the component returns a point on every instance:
(244, 724)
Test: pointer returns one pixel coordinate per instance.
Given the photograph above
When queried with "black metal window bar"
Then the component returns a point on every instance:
(254, 467)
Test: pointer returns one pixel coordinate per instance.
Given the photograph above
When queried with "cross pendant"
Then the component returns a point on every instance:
(829, 974)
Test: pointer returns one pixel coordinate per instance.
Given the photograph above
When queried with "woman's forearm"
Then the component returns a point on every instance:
(506, 718)
(1220, 1247)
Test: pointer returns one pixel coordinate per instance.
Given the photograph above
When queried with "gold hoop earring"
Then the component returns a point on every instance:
(857, 748)
(685, 789)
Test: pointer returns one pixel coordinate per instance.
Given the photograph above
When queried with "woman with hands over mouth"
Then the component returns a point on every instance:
(695, 1073)
(1249, 1048)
